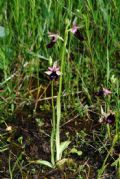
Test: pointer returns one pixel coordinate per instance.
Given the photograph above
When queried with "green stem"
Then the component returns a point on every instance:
(107, 110)
(10, 170)
(53, 127)
(108, 131)
(108, 66)
(58, 154)
(109, 153)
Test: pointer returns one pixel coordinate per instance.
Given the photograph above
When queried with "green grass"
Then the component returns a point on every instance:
(24, 88)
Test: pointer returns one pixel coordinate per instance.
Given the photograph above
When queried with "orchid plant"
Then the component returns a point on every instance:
(54, 72)
(57, 147)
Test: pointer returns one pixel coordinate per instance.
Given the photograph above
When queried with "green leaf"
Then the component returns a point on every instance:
(42, 162)
(61, 163)
(115, 163)
(3, 149)
(75, 151)
(4, 61)
(63, 146)
(37, 55)
(2, 31)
